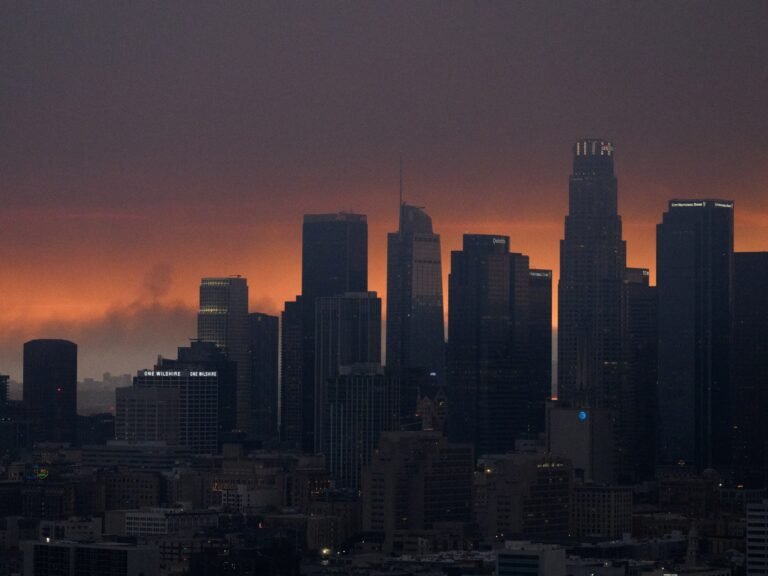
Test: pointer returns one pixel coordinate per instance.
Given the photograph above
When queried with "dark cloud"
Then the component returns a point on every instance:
(158, 281)
(146, 103)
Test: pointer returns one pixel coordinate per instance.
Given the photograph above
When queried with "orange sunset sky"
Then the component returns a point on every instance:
(145, 146)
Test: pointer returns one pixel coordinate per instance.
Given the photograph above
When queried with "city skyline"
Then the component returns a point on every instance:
(185, 313)
(122, 188)
(329, 287)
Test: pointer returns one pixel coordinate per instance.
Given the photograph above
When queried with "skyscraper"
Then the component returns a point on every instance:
(539, 345)
(638, 422)
(361, 403)
(293, 398)
(50, 390)
(750, 368)
(223, 320)
(347, 332)
(592, 263)
(694, 271)
(334, 256)
(488, 344)
(334, 261)
(263, 336)
(415, 321)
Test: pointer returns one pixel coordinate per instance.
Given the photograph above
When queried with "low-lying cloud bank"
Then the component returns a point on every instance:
(124, 339)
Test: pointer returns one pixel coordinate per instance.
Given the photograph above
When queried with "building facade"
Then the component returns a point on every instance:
(197, 407)
(334, 262)
(592, 263)
(757, 539)
(50, 390)
(223, 320)
(415, 320)
(750, 368)
(361, 402)
(416, 481)
(488, 388)
(263, 346)
(694, 278)
(539, 346)
(347, 332)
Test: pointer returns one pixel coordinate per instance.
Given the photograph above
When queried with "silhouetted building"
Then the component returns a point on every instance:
(202, 357)
(415, 321)
(347, 331)
(96, 428)
(519, 558)
(361, 402)
(694, 277)
(488, 330)
(585, 436)
(334, 261)
(750, 368)
(293, 404)
(50, 390)
(601, 511)
(638, 422)
(334, 257)
(196, 407)
(592, 262)
(223, 320)
(147, 414)
(73, 559)
(263, 344)
(539, 346)
(522, 495)
(415, 482)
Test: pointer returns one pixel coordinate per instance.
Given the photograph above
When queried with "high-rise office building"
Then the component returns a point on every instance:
(750, 368)
(196, 392)
(334, 261)
(208, 357)
(488, 328)
(223, 320)
(539, 346)
(415, 321)
(263, 345)
(694, 278)
(292, 396)
(347, 331)
(147, 414)
(592, 262)
(334, 256)
(638, 401)
(361, 402)
(50, 390)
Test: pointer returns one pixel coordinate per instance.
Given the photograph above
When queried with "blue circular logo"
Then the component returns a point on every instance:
(582, 415)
